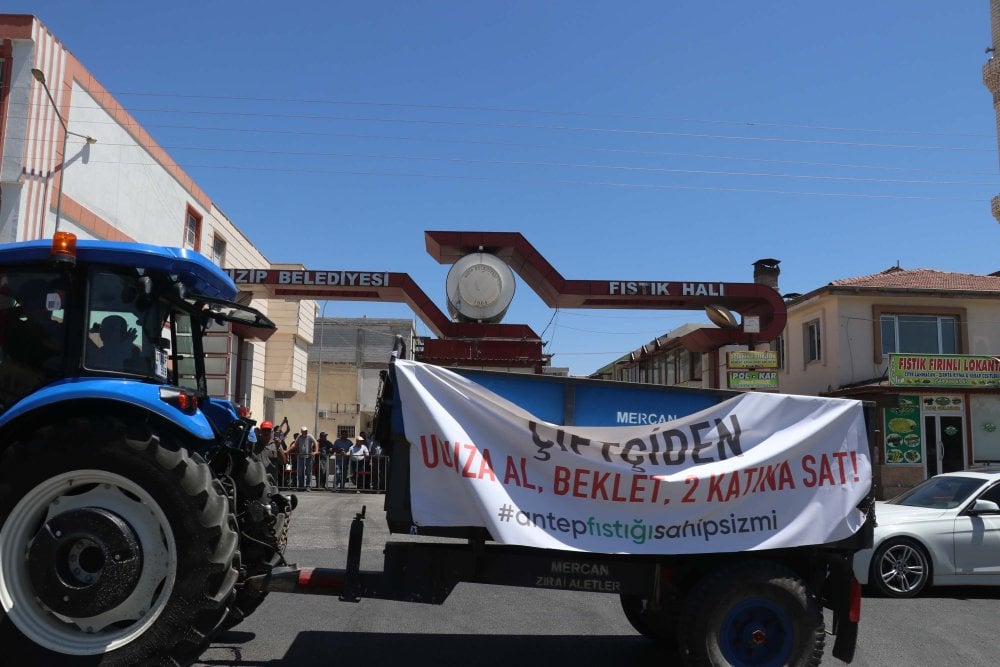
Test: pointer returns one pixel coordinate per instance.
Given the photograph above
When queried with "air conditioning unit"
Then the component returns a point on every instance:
(321, 414)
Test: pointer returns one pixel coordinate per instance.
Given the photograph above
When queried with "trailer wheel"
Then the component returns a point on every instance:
(264, 532)
(114, 549)
(658, 625)
(755, 613)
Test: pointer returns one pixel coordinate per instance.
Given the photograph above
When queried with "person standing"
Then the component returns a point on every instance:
(323, 466)
(358, 453)
(305, 449)
(270, 450)
(340, 448)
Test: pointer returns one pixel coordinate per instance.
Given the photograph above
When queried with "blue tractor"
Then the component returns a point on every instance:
(132, 505)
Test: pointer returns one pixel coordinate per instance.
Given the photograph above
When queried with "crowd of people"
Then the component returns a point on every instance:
(304, 462)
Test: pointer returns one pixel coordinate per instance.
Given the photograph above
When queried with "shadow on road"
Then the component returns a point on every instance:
(950, 592)
(377, 650)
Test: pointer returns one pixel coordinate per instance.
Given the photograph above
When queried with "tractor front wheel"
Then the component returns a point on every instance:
(114, 548)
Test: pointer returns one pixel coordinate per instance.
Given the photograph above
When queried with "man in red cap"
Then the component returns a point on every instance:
(273, 452)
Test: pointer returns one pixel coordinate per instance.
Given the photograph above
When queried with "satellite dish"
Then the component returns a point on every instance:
(721, 316)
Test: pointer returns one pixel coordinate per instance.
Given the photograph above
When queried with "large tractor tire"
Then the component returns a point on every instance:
(263, 521)
(114, 549)
(752, 613)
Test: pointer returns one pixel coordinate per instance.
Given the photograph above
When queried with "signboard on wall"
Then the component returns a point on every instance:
(753, 379)
(902, 432)
(752, 359)
(943, 370)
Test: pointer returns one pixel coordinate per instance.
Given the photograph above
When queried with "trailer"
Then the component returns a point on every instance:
(725, 522)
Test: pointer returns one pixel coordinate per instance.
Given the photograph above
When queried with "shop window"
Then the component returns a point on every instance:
(919, 334)
(812, 343)
(192, 230)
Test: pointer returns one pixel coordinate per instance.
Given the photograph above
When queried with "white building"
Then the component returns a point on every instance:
(102, 176)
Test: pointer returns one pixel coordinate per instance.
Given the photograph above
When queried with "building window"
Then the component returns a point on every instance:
(219, 250)
(778, 346)
(683, 367)
(192, 230)
(919, 334)
(811, 344)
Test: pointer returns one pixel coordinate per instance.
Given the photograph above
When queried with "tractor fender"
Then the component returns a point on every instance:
(130, 392)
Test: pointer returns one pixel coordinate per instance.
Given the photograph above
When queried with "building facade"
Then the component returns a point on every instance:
(79, 161)
(838, 342)
(936, 410)
(346, 360)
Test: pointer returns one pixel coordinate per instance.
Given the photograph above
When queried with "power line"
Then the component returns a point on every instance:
(566, 128)
(570, 165)
(551, 112)
(475, 142)
(537, 126)
(650, 186)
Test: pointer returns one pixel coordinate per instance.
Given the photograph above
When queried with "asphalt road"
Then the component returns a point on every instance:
(494, 625)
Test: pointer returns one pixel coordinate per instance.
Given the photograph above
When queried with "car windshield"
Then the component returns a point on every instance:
(941, 492)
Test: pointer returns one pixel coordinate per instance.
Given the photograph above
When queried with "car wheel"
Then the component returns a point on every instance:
(900, 568)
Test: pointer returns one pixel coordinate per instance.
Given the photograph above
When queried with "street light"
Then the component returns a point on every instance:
(40, 78)
(319, 363)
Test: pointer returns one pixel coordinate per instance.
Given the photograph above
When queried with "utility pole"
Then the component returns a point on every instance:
(991, 79)
(319, 363)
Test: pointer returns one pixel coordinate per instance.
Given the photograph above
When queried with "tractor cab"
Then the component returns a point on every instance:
(110, 310)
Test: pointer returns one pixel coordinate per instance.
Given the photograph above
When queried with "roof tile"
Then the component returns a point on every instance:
(897, 278)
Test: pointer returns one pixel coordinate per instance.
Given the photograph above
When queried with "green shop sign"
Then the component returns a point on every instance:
(753, 379)
(943, 370)
(752, 359)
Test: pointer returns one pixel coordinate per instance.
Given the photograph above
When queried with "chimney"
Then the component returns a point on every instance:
(765, 272)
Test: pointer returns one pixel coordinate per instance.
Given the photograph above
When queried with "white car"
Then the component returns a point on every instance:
(944, 531)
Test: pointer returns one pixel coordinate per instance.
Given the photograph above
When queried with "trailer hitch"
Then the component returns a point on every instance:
(352, 580)
(348, 583)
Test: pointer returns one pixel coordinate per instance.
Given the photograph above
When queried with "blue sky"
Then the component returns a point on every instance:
(627, 140)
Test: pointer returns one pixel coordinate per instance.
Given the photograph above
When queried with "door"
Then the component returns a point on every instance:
(945, 443)
(977, 542)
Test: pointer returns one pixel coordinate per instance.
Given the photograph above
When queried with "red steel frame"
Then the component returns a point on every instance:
(517, 344)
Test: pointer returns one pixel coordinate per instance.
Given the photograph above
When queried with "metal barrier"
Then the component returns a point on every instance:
(339, 473)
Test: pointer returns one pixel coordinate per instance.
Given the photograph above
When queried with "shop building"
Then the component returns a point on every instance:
(74, 158)
(939, 402)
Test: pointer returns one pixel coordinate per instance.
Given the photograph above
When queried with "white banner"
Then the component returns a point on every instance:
(758, 471)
